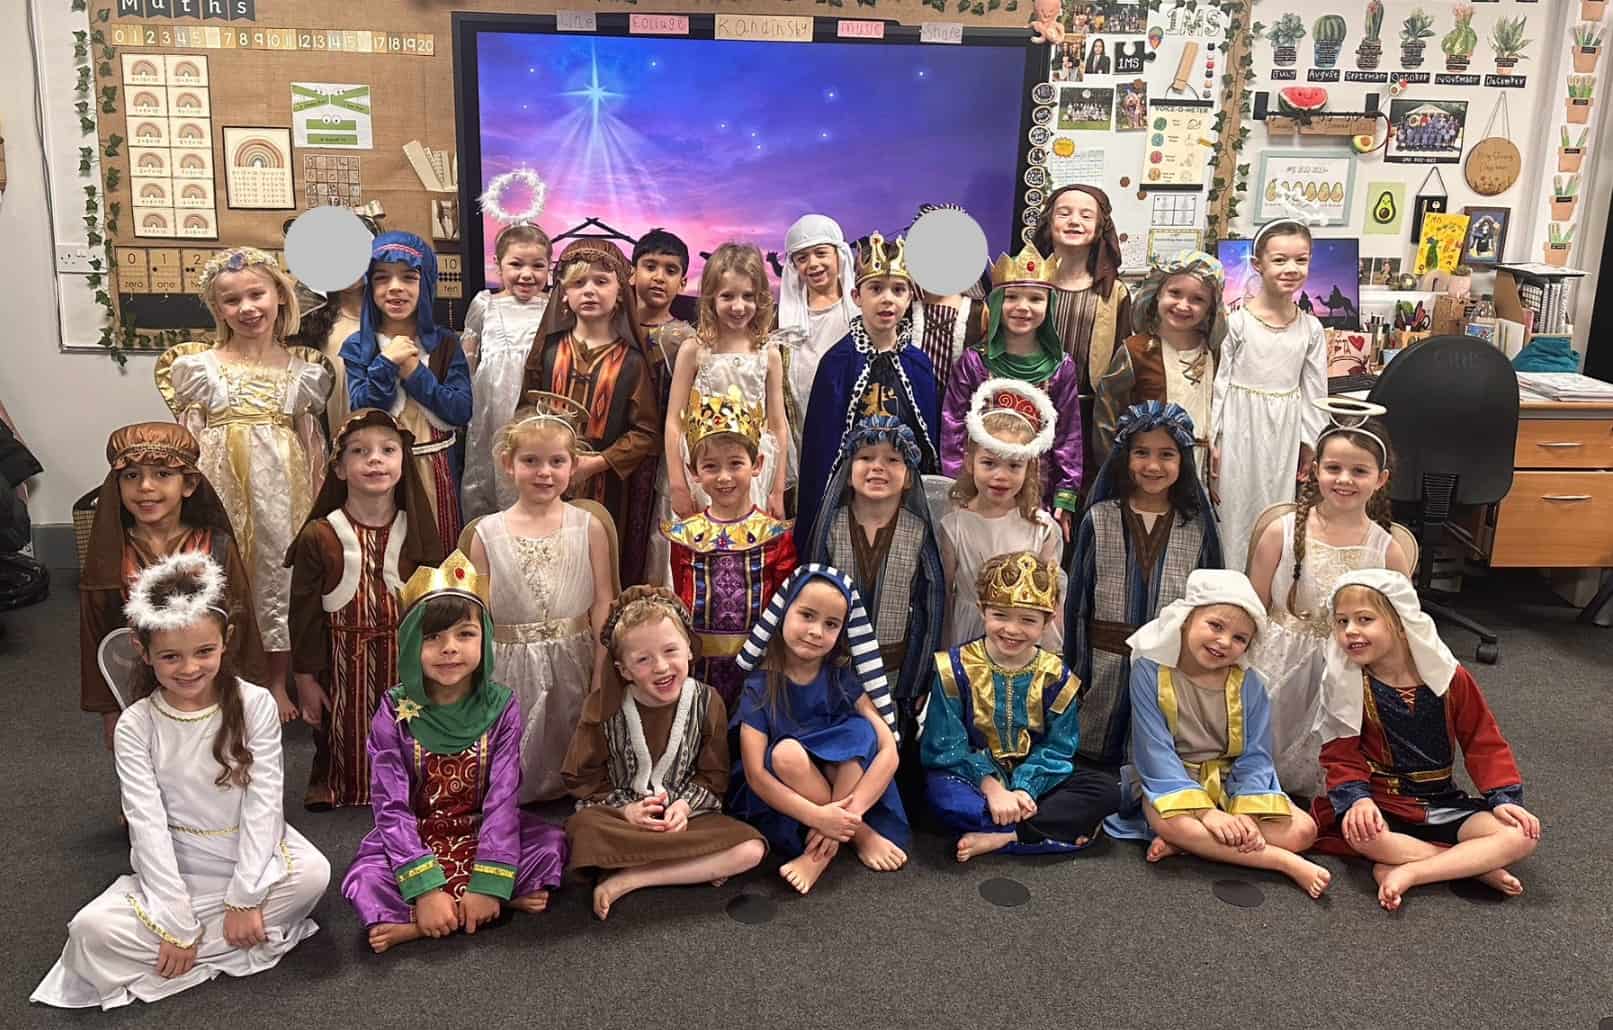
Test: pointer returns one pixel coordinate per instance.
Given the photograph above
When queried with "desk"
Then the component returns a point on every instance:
(1559, 513)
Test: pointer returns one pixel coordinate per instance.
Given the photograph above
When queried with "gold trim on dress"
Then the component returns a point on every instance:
(163, 372)
(1261, 806)
(1235, 727)
(1191, 799)
(493, 870)
(721, 645)
(163, 710)
(194, 831)
(542, 632)
(146, 920)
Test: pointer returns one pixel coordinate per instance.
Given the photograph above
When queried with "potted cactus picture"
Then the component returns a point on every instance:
(1327, 35)
(1506, 39)
(1587, 46)
(1285, 37)
(1558, 241)
(1578, 104)
(1570, 152)
(1370, 50)
(1592, 10)
(1418, 26)
(1460, 41)
(1564, 197)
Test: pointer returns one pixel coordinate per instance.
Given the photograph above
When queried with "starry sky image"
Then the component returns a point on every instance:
(723, 140)
(1334, 265)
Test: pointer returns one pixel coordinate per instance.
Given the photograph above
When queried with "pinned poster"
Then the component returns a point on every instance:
(332, 116)
(1441, 243)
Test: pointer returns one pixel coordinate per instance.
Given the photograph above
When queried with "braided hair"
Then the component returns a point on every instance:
(1310, 493)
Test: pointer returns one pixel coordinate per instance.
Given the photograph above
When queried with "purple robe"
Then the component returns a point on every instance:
(1061, 466)
(515, 852)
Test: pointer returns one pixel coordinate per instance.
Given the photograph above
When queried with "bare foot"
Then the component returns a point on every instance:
(802, 873)
(973, 845)
(535, 902)
(1502, 881)
(1160, 849)
(1393, 882)
(876, 852)
(390, 935)
(605, 893)
(719, 881)
(1312, 878)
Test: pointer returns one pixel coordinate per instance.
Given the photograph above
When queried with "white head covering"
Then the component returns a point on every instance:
(1161, 640)
(1342, 696)
(813, 231)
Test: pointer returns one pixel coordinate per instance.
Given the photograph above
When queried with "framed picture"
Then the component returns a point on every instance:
(257, 168)
(1312, 186)
(1426, 131)
(1165, 243)
(1486, 241)
(1086, 108)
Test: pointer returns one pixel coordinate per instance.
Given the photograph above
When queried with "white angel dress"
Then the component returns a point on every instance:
(505, 328)
(968, 541)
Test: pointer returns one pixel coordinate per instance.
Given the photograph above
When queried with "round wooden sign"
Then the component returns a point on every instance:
(1493, 166)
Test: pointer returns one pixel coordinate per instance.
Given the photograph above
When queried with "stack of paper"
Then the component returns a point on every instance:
(1565, 386)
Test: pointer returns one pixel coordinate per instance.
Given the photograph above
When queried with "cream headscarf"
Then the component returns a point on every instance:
(813, 231)
(1342, 695)
(1161, 640)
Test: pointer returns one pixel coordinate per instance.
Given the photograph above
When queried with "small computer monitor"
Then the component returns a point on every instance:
(1332, 292)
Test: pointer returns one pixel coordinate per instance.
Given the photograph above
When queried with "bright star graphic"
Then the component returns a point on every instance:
(595, 92)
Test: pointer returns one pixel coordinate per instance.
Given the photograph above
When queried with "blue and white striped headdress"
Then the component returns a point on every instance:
(865, 660)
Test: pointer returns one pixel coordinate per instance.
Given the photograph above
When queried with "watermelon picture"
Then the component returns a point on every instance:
(1301, 99)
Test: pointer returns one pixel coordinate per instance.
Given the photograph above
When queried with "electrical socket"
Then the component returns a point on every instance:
(74, 259)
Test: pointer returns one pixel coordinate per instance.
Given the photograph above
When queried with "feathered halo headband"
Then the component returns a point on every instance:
(193, 585)
(493, 198)
(1022, 400)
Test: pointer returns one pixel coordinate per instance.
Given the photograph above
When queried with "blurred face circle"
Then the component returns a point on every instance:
(997, 478)
(818, 266)
(248, 301)
(1154, 461)
(153, 494)
(595, 294)
(371, 461)
(1348, 475)
(1217, 635)
(812, 624)
(725, 469)
(1183, 302)
(1075, 220)
(1013, 632)
(450, 657)
(185, 662)
(654, 659)
(524, 269)
(878, 472)
(396, 289)
(541, 464)
(735, 302)
(883, 300)
(1024, 309)
(1364, 634)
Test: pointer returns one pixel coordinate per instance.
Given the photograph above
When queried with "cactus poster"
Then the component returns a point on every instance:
(1426, 131)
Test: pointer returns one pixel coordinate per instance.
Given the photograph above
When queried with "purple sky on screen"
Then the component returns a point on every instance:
(1334, 263)
(722, 141)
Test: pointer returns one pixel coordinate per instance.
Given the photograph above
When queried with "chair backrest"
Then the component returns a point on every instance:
(468, 534)
(1400, 534)
(593, 508)
(1453, 409)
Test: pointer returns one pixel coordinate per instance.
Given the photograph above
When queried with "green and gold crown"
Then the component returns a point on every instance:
(1020, 580)
(722, 413)
(456, 575)
(1027, 268)
(878, 258)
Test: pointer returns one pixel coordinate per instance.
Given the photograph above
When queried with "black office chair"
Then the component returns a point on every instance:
(1453, 422)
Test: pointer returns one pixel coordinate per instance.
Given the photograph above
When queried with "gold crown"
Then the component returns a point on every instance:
(456, 575)
(727, 412)
(1027, 268)
(876, 258)
(1020, 580)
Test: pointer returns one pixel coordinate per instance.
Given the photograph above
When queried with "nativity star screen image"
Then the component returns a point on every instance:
(720, 140)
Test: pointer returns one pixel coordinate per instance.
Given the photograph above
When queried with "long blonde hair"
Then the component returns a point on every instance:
(1009, 428)
(741, 259)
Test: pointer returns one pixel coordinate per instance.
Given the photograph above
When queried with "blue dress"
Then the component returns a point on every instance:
(822, 717)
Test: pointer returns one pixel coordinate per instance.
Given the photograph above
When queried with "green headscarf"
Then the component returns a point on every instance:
(1035, 369)
(445, 729)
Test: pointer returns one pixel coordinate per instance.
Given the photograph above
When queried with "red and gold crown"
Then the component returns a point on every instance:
(1028, 268)
(722, 413)
(456, 575)
(1020, 580)
(877, 258)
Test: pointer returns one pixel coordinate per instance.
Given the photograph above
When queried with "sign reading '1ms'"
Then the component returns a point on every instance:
(212, 10)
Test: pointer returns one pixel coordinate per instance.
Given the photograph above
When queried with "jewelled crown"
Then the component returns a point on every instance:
(1027, 268)
(1020, 580)
(456, 575)
(728, 412)
(878, 258)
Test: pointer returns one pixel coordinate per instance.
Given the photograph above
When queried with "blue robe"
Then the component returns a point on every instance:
(1242, 780)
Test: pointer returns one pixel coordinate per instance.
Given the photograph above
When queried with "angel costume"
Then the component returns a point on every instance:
(505, 329)
(1196, 744)
(263, 450)
(543, 642)
(434, 401)
(198, 848)
(1263, 409)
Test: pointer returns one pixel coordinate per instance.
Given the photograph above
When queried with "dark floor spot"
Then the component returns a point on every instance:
(1239, 892)
(1004, 893)
(1478, 894)
(751, 909)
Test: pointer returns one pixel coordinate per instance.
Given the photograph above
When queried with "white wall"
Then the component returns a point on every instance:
(64, 404)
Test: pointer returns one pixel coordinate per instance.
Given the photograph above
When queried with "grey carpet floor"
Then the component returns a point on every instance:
(1105, 940)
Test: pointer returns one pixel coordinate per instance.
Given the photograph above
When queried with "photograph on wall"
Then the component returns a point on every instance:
(1131, 106)
(257, 169)
(1312, 186)
(1380, 272)
(1441, 244)
(1098, 61)
(1486, 242)
(1085, 108)
(1067, 63)
(1426, 131)
(1116, 17)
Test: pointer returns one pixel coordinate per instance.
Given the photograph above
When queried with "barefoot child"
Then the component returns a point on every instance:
(1398, 707)
(220, 884)
(1201, 779)
(817, 754)
(1009, 781)
(649, 763)
(449, 845)
(369, 529)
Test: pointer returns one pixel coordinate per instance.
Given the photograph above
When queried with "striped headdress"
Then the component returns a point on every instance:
(865, 660)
